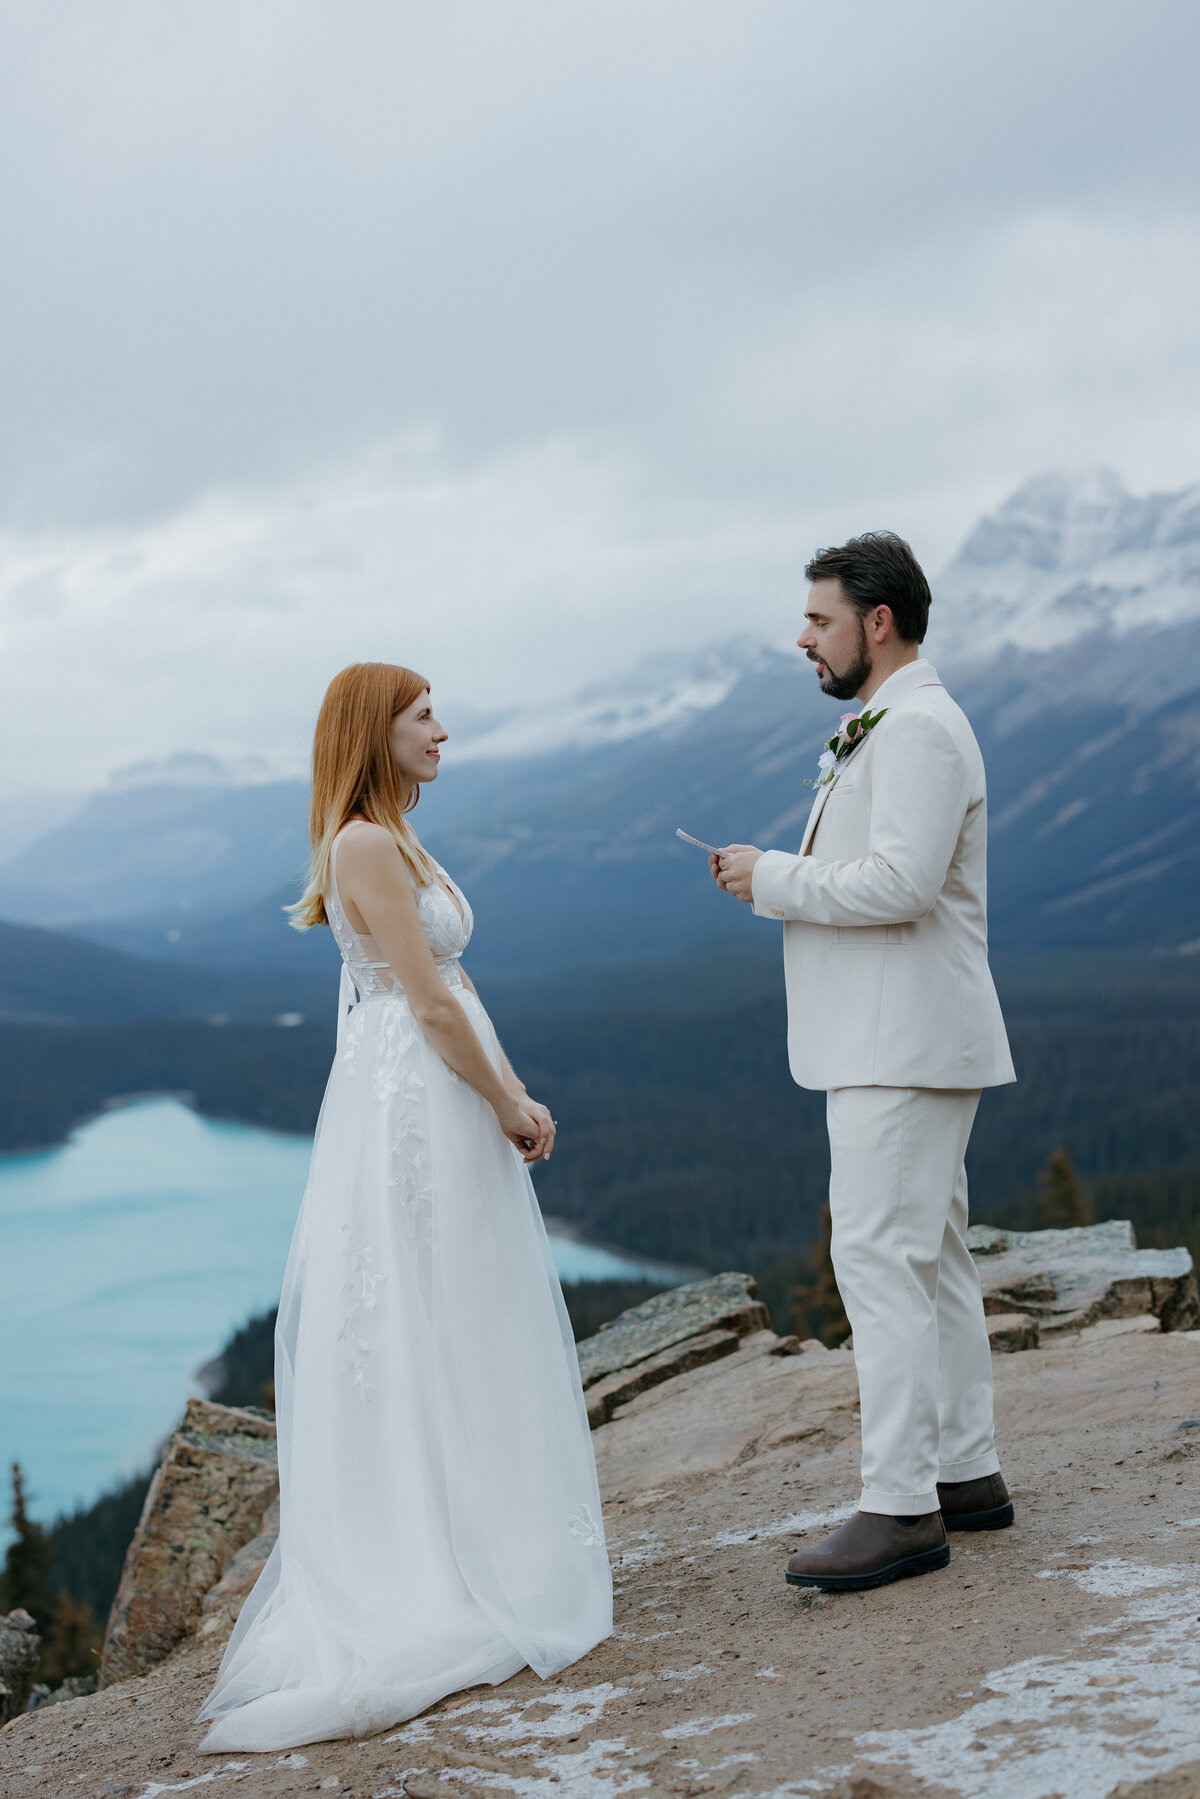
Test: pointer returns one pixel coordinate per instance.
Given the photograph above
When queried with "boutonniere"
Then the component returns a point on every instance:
(849, 734)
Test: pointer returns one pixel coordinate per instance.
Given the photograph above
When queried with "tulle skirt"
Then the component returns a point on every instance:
(440, 1521)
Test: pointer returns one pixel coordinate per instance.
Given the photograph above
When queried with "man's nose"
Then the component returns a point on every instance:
(807, 639)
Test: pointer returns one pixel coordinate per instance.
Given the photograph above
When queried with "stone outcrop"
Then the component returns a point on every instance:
(675, 1331)
(217, 1477)
(20, 1646)
(1009, 1331)
(1072, 1278)
(612, 1390)
(243, 1567)
(1053, 1658)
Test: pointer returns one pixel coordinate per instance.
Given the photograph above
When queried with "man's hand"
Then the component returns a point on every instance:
(733, 869)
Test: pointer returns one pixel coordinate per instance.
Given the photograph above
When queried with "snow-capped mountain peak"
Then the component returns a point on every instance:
(658, 695)
(1069, 554)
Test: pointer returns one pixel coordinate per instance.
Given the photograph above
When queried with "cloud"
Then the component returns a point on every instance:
(516, 341)
(505, 580)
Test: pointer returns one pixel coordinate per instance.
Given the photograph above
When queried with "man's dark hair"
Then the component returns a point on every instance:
(879, 569)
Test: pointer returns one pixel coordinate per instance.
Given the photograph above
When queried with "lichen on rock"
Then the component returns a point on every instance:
(218, 1475)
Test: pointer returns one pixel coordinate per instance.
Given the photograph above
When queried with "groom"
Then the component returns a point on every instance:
(891, 1010)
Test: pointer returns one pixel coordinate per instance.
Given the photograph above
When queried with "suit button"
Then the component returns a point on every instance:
(776, 911)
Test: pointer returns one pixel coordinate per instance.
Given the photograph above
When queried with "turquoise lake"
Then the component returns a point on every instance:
(127, 1257)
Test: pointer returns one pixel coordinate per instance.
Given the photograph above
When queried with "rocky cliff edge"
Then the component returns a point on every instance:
(1062, 1656)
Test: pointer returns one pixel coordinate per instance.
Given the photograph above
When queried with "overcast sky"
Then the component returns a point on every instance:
(517, 340)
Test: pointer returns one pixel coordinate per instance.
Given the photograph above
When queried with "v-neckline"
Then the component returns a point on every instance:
(444, 883)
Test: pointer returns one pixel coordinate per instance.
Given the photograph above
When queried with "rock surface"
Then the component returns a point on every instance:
(75, 1686)
(730, 1446)
(726, 1302)
(1009, 1331)
(1071, 1278)
(1059, 1657)
(611, 1390)
(243, 1567)
(217, 1476)
(20, 1646)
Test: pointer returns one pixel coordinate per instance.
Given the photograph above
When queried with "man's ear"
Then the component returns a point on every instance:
(882, 628)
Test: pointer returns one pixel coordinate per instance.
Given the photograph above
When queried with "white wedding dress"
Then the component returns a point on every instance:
(440, 1521)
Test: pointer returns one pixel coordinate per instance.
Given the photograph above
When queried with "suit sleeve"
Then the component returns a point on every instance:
(919, 795)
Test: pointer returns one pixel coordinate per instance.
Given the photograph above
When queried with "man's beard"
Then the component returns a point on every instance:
(848, 683)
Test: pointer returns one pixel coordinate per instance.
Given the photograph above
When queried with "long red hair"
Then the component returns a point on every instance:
(355, 774)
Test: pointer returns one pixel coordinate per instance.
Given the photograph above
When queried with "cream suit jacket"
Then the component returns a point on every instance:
(885, 908)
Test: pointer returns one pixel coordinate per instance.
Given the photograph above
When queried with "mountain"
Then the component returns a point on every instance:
(1068, 624)
(159, 842)
(658, 696)
(572, 856)
(1071, 632)
(50, 977)
(1065, 558)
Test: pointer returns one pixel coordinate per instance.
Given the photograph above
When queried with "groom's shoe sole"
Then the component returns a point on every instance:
(925, 1563)
(998, 1517)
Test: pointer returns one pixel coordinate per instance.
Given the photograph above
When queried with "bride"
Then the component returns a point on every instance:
(439, 1515)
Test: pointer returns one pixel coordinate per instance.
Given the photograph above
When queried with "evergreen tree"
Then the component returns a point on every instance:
(1063, 1203)
(26, 1578)
(72, 1641)
(89, 1545)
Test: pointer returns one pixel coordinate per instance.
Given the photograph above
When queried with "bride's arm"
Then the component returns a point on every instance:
(516, 1085)
(374, 879)
(508, 1073)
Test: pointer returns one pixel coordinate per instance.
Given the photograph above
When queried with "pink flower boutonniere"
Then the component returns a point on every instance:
(849, 734)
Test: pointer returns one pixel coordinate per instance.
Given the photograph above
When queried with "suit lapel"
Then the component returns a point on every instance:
(912, 676)
(823, 792)
(817, 809)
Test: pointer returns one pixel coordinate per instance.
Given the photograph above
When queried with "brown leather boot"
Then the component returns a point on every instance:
(981, 1504)
(869, 1550)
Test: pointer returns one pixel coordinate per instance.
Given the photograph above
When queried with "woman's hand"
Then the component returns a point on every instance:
(528, 1126)
(548, 1127)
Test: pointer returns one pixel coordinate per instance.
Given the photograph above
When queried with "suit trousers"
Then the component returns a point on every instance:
(898, 1204)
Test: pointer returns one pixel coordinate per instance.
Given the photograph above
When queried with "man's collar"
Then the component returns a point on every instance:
(903, 681)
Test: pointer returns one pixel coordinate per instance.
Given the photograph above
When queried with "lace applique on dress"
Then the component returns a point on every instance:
(350, 1036)
(584, 1526)
(359, 1282)
(377, 1033)
(393, 1064)
(399, 1086)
